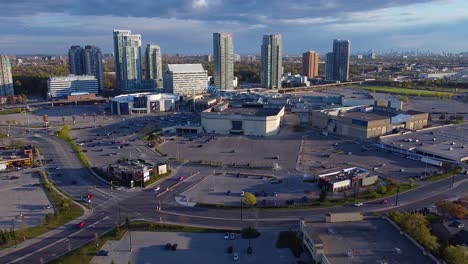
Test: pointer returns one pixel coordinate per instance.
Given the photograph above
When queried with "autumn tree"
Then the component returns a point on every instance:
(451, 209)
(250, 199)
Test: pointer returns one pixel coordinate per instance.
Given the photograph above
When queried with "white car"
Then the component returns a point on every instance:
(157, 188)
(226, 236)
(358, 204)
(235, 256)
(242, 194)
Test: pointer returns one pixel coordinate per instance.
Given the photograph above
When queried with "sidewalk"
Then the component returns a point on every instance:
(51, 233)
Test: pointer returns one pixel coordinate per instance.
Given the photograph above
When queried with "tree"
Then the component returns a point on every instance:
(416, 225)
(455, 255)
(17, 84)
(411, 182)
(250, 199)
(323, 195)
(383, 189)
(451, 209)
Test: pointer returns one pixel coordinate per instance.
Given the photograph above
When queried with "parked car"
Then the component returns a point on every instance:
(48, 206)
(235, 256)
(181, 178)
(102, 253)
(232, 236)
(358, 204)
(384, 201)
(157, 188)
(242, 193)
(226, 236)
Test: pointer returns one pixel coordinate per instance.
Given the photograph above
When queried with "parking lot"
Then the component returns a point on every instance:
(320, 152)
(239, 150)
(227, 189)
(148, 247)
(22, 195)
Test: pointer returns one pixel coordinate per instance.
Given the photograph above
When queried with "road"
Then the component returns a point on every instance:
(113, 206)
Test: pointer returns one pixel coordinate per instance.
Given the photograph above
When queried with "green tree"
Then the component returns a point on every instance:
(416, 225)
(250, 199)
(455, 255)
(383, 189)
(411, 182)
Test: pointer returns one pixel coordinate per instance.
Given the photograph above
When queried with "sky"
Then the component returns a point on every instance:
(186, 26)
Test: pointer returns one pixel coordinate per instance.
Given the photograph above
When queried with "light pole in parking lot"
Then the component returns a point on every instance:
(242, 207)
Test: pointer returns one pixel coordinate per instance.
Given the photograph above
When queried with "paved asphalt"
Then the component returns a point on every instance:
(114, 206)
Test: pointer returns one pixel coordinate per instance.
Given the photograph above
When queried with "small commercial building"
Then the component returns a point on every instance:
(135, 170)
(251, 120)
(345, 179)
(142, 103)
(363, 122)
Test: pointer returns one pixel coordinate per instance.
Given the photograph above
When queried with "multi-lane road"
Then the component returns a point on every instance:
(113, 206)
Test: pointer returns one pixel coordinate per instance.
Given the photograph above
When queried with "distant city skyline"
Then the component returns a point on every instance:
(186, 26)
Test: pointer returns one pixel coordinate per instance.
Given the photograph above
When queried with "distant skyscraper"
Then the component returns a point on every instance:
(272, 69)
(76, 60)
(337, 67)
(329, 76)
(310, 60)
(6, 80)
(223, 56)
(341, 51)
(93, 64)
(153, 64)
(127, 52)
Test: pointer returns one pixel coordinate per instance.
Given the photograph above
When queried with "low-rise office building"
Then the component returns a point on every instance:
(252, 120)
(142, 103)
(364, 122)
(63, 86)
(185, 79)
(346, 179)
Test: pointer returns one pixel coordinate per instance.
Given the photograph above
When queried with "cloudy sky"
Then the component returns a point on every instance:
(186, 26)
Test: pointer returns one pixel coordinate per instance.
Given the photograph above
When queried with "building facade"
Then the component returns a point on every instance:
(6, 79)
(185, 79)
(251, 121)
(310, 60)
(63, 86)
(86, 61)
(271, 61)
(223, 55)
(341, 53)
(329, 75)
(142, 103)
(153, 62)
(75, 60)
(127, 53)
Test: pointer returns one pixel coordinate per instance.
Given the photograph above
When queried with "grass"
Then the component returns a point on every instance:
(158, 227)
(66, 211)
(406, 91)
(443, 175)
(64, 134)
(11, 111)
(289, 239)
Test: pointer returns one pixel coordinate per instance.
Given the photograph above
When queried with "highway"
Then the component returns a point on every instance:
(113, 206)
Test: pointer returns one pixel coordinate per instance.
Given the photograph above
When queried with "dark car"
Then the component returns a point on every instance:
(168, 246)
(102, 253)
(174, 247)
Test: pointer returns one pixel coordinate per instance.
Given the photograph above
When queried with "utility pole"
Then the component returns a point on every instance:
(242, 206)
(398, 192)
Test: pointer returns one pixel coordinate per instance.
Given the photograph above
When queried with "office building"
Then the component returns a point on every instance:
(185, 79)
(86, 61)
(271, 61)
(6, 80)
(310, 60)
(63, 86)
(154, 64)
(75, 60)
(223, 55)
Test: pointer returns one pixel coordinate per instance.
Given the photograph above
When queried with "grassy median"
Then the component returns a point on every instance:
(64, 134)
(406, 91)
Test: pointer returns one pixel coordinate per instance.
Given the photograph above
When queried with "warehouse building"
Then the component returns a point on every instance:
(251, 120)
(352, 238)
(446, 143)
(142, 103)
(364, 122)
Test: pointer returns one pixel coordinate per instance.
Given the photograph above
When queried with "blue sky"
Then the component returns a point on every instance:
(186, 26)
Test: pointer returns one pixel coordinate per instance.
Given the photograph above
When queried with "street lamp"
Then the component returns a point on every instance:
(242, 206)
(398, 192)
